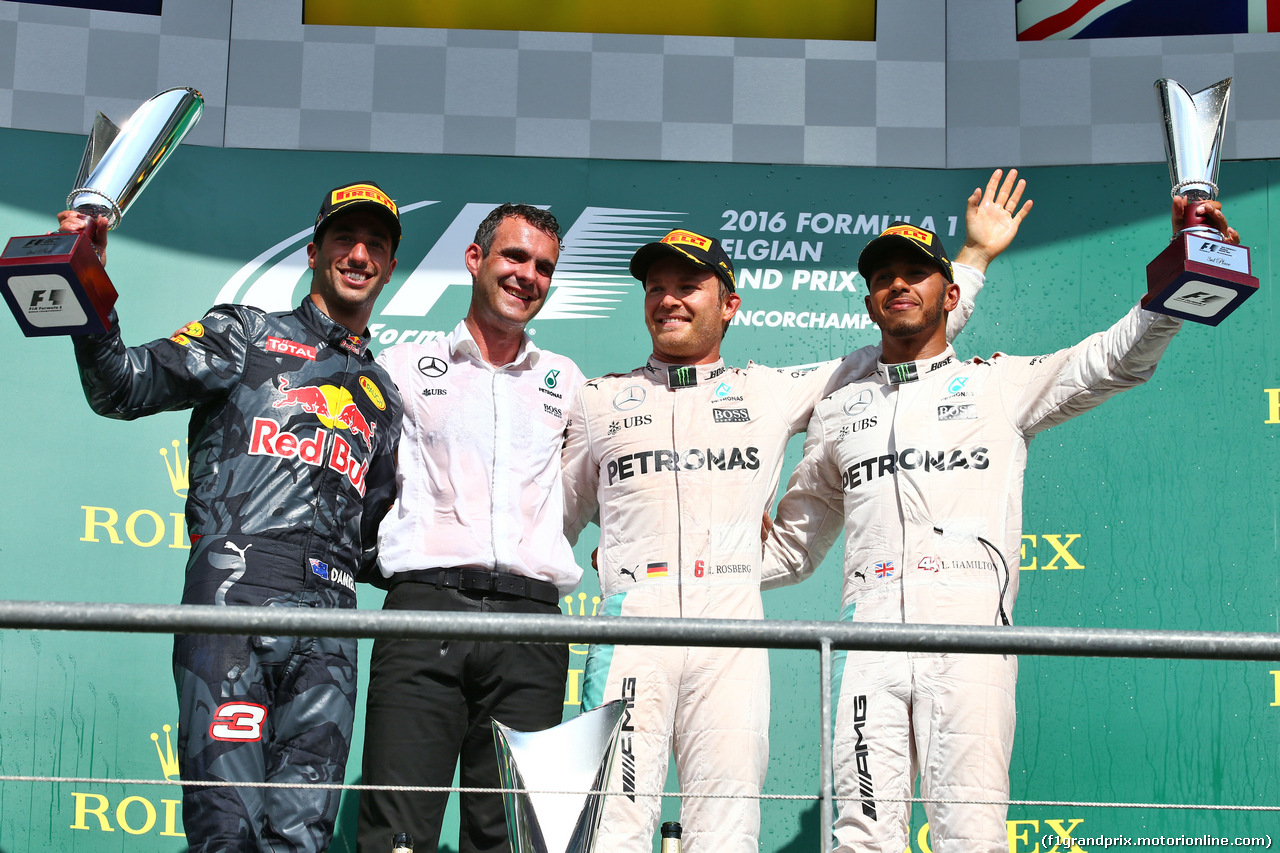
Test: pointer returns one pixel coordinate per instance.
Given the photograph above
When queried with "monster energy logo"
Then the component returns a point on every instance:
(683, 376)
(900, 373)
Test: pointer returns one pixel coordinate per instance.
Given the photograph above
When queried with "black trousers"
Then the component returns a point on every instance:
(429, 706)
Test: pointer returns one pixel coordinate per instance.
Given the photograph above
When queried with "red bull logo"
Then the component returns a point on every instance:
(270, 440)
(311, 397)
(333, 406)
(351, 418)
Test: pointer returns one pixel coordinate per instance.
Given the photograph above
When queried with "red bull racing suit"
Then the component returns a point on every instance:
(292, 464)
(680, 463)
(923, 465)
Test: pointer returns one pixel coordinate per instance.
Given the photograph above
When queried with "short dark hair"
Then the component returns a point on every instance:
(535, 216)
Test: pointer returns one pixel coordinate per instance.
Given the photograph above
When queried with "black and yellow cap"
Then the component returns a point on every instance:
(698, 250)
(904, 235)
(365, 195)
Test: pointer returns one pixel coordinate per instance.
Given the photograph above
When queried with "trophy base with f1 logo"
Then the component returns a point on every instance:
(54, 283)
(1199, 276)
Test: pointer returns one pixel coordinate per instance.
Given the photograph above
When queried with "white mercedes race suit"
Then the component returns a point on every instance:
(680, 463)
(922, 463)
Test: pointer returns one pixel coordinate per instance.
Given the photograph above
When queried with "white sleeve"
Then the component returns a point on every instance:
(970, 282)
(810, 515)
(1046, 390)
(580, 471)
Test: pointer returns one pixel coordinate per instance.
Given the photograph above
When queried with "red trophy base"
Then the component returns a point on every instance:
(1199, 278)
(55, 285)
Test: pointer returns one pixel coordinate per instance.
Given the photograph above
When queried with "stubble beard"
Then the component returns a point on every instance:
(928, 322)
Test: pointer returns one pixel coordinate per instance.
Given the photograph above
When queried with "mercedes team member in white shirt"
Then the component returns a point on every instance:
(678, 460)
(478, 527)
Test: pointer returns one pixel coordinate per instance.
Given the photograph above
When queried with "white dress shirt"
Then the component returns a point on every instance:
(479, 466)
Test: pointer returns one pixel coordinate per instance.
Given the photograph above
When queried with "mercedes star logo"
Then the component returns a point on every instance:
(628, 398)
(857, 404)
(431, 366)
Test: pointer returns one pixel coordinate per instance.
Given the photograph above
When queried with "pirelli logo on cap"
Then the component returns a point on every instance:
(917, 234)
(688, 238)
(364, 191)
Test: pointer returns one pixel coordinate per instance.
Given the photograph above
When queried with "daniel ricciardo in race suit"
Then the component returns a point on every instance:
(677, 461)
(292, 464)
(921, 458)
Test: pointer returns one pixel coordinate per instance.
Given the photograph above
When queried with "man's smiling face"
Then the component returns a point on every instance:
(686, 309)
(510, 282)
(351, 263)
(908, 296)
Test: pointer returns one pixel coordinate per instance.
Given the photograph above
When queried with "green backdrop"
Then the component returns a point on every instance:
(1159, 510)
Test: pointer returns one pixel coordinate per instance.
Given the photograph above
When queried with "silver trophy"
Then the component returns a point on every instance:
(118, 163)
(55, 283)
(1193, 126)
(1200, 276)
(576, 755)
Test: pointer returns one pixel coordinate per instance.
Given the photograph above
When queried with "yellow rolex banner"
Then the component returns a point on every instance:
(847, 20)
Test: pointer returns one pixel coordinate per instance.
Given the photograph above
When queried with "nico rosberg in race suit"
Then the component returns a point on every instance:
(921, 458)
(677, 460)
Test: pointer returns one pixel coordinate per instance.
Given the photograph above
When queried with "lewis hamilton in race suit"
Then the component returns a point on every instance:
(677, 461)
(292, 463)
(921, 458)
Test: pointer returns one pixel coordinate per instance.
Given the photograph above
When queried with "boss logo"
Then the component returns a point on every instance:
(730, 416)
(962, 412)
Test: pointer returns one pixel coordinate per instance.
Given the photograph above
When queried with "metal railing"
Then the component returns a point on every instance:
(823, 637)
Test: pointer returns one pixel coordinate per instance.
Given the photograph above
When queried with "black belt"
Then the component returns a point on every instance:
(479, 580)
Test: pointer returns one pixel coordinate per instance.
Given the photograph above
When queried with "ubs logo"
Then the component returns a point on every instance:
(626, 423)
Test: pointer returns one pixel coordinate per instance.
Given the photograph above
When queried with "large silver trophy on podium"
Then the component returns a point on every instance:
(1200, 276)
(55, 283)
(576, 755)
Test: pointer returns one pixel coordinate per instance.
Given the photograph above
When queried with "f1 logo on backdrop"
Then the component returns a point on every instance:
(591, 272)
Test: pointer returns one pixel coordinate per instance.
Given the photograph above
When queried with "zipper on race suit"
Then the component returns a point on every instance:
(898, 391)
(680, 503)
(328, 475)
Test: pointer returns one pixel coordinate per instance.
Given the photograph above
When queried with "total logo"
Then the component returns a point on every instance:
(135, 815)
(591, 273)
